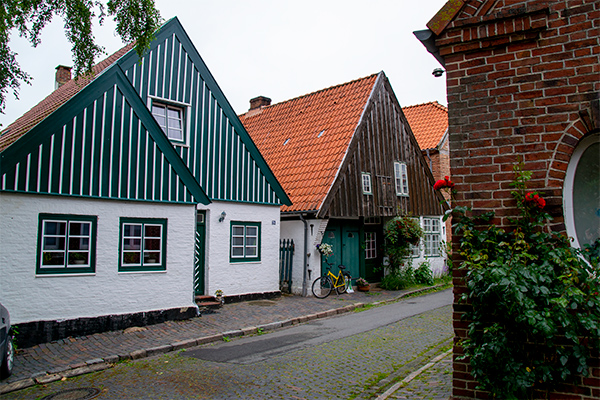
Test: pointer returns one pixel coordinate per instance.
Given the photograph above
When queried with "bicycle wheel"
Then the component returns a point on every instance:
(322, 287)
(347, 281)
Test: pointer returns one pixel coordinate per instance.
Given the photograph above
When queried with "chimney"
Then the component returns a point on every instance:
(258, 102)
(63, 75)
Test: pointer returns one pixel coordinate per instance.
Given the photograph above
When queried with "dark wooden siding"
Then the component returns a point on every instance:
(382, 138)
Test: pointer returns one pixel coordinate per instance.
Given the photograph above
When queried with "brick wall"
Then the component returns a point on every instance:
(523, 81)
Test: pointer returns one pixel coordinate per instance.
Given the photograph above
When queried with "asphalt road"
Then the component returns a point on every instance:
(262, 347)
(342, 357)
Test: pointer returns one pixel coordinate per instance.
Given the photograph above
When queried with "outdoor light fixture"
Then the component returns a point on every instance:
(437, 72)
(222, 217)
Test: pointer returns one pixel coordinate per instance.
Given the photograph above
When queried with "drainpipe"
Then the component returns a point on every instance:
(304, 289)
(430, 162)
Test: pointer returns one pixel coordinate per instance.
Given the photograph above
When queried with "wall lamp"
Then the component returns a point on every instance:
(438, 72)
(222, 217)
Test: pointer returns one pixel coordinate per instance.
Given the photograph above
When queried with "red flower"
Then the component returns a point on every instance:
(535, 198)
(443, 183)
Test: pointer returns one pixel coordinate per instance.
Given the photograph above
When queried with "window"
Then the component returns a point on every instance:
(143, 245)
(401, 177)
(245, 241)
(370, 245)
(582, 192)
(366, 183)
(415, 250)
(432, 238)
(66, 244)
(170, 119)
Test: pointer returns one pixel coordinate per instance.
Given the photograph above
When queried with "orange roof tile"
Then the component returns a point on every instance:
(54, 100)
(428, 122)
(304, 140)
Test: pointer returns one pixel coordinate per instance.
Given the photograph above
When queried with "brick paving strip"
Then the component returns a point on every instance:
(394, 388)
(71, 357)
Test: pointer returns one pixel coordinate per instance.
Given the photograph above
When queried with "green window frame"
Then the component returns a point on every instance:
(142, 244)
(244, 241)
(171, 119)
(66, 244)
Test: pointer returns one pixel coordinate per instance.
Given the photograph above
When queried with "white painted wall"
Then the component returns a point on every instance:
(245, 277)
(31, 298)
(295, 230)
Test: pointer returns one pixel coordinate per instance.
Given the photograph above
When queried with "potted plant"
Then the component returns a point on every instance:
(362, 285)
(219, 296)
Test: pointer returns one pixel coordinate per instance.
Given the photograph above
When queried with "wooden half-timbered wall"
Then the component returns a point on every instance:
(382, 137)
(219, 151)
(102, 143)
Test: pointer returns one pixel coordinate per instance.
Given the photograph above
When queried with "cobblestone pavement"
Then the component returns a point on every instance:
(73, 356)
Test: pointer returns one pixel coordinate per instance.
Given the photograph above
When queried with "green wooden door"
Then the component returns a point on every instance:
(351, 250)
(345, 239)
(199, 253)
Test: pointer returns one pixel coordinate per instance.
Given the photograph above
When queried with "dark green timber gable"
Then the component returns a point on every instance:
(102, 143)
(219, 151)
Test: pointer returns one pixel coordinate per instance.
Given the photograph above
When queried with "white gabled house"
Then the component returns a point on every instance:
(126, 193)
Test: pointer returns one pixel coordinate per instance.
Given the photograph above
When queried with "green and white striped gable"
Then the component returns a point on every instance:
(102, 143)
(219, 152)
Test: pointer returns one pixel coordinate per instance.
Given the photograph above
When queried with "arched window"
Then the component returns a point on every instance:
(582, 192)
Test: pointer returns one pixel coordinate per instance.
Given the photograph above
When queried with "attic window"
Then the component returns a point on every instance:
(321, 133)
(286, 142)
(170, 119)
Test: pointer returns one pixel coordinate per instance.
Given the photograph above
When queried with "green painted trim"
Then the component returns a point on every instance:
(174, 26)
(67, 270)
(143, 222)
(244, 224)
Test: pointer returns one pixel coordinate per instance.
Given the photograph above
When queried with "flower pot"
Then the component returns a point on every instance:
(363, 288)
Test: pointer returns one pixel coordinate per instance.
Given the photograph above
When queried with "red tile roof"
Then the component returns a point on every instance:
(304, 140)
(54, 100)
(428, 122)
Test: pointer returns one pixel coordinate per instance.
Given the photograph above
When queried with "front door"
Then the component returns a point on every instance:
(345, 240)
(199, 253)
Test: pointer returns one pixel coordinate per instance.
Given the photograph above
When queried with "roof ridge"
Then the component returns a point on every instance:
(434, 103)
(316, 92)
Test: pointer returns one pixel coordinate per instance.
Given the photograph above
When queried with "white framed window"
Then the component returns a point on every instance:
(366, 183)
(245, 241)
(370, 245)
(415, 250)
(142, 245)
(401, 178)
(581, 192)
(171, 119)
(433, 236)
(66, 244)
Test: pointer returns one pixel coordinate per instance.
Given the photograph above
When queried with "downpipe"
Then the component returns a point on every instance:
(305, 272)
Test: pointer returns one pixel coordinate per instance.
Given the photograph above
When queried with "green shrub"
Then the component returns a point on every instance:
(399, 234)
(534, 310)
(399, 279)
(423, 274)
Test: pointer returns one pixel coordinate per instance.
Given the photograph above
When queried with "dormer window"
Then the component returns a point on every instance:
(170, 119)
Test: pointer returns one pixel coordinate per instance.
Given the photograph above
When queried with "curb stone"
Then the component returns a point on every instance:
(109, 361)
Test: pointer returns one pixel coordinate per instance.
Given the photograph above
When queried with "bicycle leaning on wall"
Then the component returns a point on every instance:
(328, 282)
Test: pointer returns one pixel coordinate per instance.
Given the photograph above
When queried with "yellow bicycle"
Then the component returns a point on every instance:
(325, 284)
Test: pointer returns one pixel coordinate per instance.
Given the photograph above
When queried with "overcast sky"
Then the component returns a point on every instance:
(276, 48)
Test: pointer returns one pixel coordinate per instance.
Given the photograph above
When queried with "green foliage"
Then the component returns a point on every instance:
(592, 252)
(535, 311)
(423, 274)
(137, 20)
(399, 279)
(399, 234)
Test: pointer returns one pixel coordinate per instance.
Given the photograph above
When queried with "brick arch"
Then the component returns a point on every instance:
(555, 176)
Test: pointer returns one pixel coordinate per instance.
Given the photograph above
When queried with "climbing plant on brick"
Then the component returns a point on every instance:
(534, 304)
